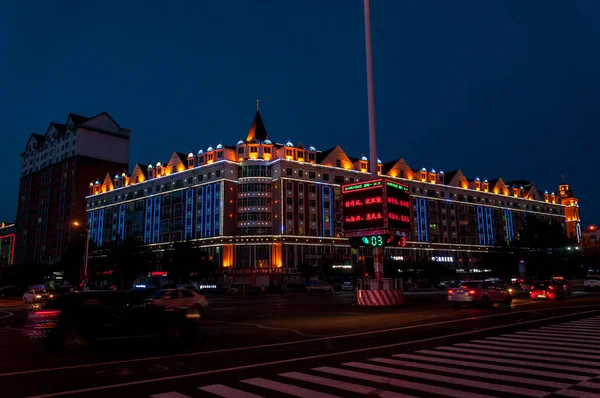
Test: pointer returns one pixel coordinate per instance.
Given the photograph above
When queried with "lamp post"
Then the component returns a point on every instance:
(87, 247)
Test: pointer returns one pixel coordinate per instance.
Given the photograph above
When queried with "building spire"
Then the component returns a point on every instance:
(257, 104)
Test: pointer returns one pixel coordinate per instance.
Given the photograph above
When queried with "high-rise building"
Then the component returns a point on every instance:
(262, 208)
(55, 174)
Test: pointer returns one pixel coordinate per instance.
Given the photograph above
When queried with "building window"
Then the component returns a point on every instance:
(311, 156)
(313, 203)
(218, 172)
(338, 163)
(312, 189)
(288, 152)
(288, 172)
(290, 186)
(253, 149)
(311, 174)
(220, 155)
(339, 179)
(290, 201)
(301, 154)
(267, 149)
(290, 215)
(300, 173)
(301, 201)
(325, 177)
(313, 232)
(301, 216)
(240, 150)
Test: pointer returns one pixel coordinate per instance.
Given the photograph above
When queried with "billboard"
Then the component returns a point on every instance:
(398, 206)
(362, 204)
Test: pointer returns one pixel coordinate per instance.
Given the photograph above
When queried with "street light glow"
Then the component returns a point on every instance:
(75, 223)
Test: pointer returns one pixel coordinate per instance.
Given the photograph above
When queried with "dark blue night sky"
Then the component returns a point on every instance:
(495, 88)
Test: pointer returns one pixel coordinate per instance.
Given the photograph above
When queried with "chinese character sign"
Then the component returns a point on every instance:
(398, 206)
(363, 205)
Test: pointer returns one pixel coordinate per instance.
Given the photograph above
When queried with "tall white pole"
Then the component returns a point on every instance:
(370, 93)
(377, 251)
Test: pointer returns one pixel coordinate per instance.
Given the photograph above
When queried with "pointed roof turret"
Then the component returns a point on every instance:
(257, 130)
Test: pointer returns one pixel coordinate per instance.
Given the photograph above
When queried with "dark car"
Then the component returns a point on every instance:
(551, 290)
(76, 320)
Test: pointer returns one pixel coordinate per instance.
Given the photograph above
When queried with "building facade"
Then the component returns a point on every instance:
(55, 174)
(264, 208)
(7, 244)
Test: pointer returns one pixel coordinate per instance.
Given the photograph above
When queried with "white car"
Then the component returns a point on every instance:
(178, 298)
(592, 282)
(34, 296)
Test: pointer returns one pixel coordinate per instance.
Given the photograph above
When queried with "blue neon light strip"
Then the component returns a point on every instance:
(490, 225)
(200, 206)
(422, 226)
(121, 222)
(216, 209)
(100, 227)
(481, 226)
(187, 232)
(156, 220)
(148, 221)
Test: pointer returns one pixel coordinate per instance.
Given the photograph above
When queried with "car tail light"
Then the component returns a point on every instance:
(471, 291)
(551, 287)
(450, 291)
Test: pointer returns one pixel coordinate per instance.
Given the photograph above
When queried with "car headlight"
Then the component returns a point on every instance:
(510, 290)
(38, 296)
(51, 295)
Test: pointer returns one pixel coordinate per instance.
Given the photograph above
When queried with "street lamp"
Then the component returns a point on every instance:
(87, 246)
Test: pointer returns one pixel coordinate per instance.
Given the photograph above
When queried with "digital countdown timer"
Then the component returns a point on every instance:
(378, 241)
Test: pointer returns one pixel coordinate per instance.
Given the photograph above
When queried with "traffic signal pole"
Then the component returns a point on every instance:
(377, 251)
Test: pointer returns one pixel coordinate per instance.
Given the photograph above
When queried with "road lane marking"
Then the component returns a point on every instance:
(512, 362)
(554, 337)
(8, 314)
(287, 388)
(342, 385)
(227, 392)
(484, 347)
(288, 343)
(576, 393)
(552, 348)
(450, 379)
(480, 365)
(291, 360)
(532, 340)
(522, 356)
(578, 328)
(170, 395)
(474, 373)
(431, 389)
(571, 332)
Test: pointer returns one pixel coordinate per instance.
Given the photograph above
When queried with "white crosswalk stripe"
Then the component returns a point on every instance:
(555, 360)
(227, 392)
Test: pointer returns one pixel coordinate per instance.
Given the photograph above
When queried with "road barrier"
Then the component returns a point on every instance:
(380, 293)
(380, 298)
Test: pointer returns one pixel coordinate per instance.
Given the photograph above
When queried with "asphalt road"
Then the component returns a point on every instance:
(322, 345)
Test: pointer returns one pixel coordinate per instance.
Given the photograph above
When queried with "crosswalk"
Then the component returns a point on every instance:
(560, 360)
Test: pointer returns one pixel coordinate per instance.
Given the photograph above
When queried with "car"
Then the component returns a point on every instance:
(37, 295)
(551, 290)
(318, 286)
(479, 292)
(591, 282)
(346, 286)
(77, 320)
(178, 298)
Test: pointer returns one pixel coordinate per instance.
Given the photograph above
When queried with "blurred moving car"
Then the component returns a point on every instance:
(346, 286)
(479, 292)
(178, 298)
(37, 295)
(591, 282)
(547, 289)
(76, 320)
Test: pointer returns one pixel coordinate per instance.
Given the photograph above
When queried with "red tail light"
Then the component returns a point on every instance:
(449, 291)
(471, 291)
(551, 287)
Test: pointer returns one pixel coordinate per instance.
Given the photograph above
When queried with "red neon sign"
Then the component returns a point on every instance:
(397, 202)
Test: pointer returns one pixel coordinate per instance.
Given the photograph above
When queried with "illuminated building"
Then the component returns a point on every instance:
(263, 208)
(7, 244)
(55, 174)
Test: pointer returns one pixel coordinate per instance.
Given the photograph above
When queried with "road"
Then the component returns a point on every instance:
(321, 345)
